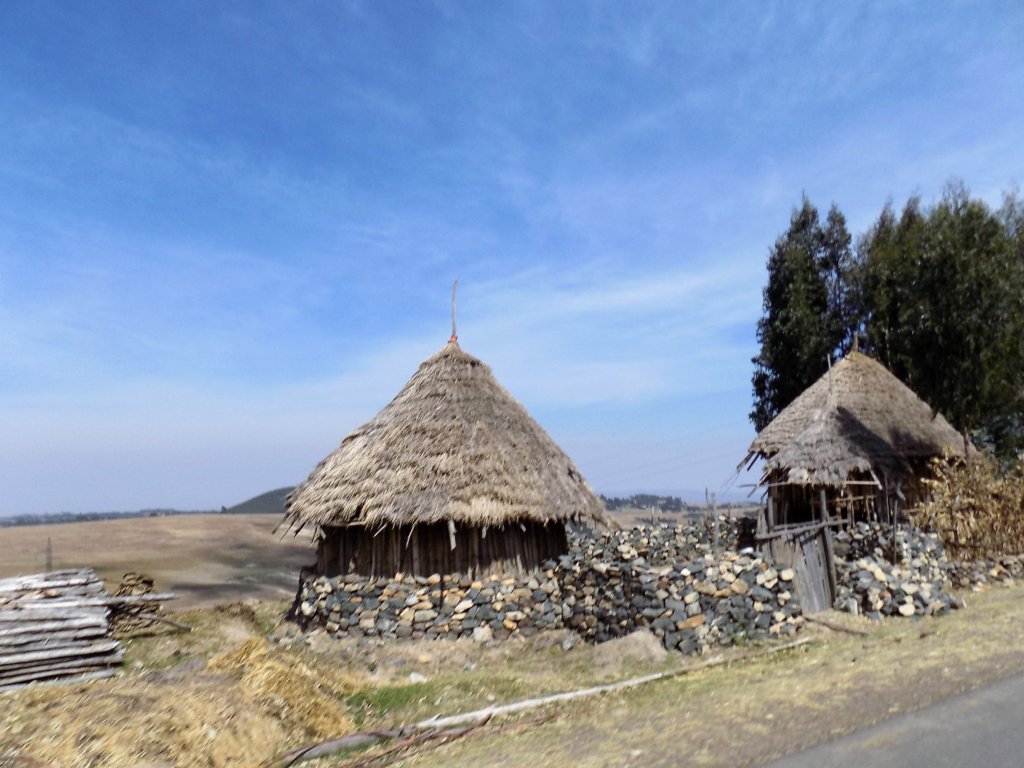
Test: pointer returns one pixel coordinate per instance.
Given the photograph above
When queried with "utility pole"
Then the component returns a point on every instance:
(709, 499)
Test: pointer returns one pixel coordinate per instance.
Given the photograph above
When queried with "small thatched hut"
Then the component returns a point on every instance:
(856, 444)
(452, 476)
(859, 434)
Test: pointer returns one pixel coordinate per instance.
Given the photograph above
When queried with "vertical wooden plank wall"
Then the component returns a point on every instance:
(423, 550)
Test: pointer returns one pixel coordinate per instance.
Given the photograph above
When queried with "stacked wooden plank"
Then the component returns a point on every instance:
(56, 626)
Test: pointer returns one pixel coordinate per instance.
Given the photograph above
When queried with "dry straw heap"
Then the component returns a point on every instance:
(452, 476)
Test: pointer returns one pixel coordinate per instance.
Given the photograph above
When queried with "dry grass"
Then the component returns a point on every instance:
(197, 720)
(978, 510)
(298, 695)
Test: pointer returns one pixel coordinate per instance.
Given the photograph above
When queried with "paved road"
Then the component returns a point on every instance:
(980, 728)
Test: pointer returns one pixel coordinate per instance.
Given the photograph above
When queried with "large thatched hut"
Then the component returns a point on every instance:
(857, 444)
(858, 433)
(452, 476)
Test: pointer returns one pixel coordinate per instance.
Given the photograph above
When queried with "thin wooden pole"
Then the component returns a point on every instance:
(895, 523)
(888, 510)
(454, 339)
(712, 507)
(829, 553)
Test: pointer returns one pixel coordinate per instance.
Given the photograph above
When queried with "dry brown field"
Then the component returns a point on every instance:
(205, 559)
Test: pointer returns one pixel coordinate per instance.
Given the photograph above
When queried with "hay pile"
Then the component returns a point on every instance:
(295, 694)
(206, 720)
(978, 510)
(245, 706)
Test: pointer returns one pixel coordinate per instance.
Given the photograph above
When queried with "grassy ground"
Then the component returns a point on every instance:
(223, 696)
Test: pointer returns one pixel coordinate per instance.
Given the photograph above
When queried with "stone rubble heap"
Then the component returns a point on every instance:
(429, 607)
(664, 543)
(870, 583)
(977, 573)
(664, 577)
(671, 579)
(690, 605)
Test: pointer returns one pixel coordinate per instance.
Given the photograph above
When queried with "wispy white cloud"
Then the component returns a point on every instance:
(206, 281)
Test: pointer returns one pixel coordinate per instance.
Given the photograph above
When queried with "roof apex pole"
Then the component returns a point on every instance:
(454, 339)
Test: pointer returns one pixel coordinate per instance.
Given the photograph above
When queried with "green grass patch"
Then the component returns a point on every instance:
(376, 703)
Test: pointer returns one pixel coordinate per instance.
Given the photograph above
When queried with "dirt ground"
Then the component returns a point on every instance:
(752, 712)
(222, 695)
(205, 559)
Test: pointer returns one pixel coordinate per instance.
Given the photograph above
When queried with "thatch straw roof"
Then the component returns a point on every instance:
(856, 418)
(453, 445)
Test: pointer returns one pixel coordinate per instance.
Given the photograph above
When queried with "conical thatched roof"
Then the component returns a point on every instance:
(858, 417)
(453, 445)
(832, 448)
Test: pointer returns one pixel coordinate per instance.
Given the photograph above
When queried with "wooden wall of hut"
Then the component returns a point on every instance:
(799, 504)
(861, 499)
(422, 550)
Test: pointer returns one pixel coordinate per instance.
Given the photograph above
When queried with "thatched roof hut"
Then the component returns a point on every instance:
(857, 425)
(856, 444)
(452, 476)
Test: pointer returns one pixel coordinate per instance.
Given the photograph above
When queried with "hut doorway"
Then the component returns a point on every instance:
(807, 552)
(805, 547)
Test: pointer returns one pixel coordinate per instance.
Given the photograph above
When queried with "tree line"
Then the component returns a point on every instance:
(933, 292)
(644, 501)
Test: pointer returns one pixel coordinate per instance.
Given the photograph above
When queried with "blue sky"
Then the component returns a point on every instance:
(228, 231)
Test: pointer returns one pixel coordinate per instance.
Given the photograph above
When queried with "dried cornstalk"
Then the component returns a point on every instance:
(978, 510)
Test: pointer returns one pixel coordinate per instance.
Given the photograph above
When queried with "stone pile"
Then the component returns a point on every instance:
(663, 577)
(428, 607)
(689, 605)
(875, 582)
(665, 543)
(976, 573)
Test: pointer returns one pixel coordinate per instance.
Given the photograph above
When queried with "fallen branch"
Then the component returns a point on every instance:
(162, 619)
(352, 741)
(835, 625)
(522, 706)
(446, 735)
(478, 717)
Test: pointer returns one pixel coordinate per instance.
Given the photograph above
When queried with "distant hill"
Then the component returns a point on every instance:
(56, 518)
(269, 503)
